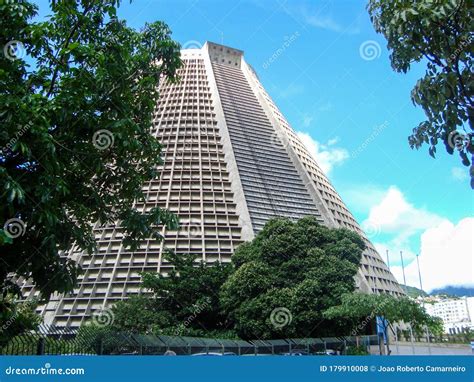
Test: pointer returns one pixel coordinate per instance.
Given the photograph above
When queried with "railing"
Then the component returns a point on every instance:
(48, 340)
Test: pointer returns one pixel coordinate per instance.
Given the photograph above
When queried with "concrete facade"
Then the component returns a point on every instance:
(231, 162)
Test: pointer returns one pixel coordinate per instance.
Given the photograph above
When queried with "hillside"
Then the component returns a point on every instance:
(414, 292)
(453, 291)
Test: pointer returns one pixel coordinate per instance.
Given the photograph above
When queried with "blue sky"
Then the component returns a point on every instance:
(353, 112)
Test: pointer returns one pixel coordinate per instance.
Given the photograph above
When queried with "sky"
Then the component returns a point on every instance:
(335, 85)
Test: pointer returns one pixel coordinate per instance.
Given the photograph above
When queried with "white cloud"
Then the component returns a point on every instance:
(317, 19)
(445, 249)
(395, 215)
(446, 256)
(326, 157)
(459, 173)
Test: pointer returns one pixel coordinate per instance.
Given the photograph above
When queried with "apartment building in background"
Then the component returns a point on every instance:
(457, 313)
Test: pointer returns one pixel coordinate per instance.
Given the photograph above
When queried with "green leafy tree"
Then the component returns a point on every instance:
(78, 93)
(288, 276)
(362, 308)
(185, 302)
(438, 32)
(99, 339)
(16, 317)
(140, 314)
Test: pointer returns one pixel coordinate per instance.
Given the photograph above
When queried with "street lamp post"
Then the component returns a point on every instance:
(405, 284)
(419, 271)
(423, 302)
(403, 270)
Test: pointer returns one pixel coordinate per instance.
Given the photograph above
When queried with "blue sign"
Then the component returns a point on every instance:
(382, 325)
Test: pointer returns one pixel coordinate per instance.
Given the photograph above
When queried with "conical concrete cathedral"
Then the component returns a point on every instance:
(231, 162)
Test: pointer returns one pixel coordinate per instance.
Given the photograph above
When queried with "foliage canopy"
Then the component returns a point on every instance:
(78, 92)
(438, 32)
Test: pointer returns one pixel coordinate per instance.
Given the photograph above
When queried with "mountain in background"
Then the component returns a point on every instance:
(453, 291)
(413, 292)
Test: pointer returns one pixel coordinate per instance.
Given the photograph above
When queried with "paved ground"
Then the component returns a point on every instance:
(405, 348)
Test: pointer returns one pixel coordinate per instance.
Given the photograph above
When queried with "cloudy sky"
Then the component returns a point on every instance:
(333, 81)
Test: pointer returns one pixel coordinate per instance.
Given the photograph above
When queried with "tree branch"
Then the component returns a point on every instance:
(65, 45)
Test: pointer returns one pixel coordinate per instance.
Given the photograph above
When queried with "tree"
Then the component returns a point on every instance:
(185, 302)
(362, 308)
(439, 32)
(287, 276)
(75, 142)
(140, 314)
(15, 317)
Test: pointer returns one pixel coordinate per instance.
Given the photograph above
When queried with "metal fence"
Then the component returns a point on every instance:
(48, 340)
